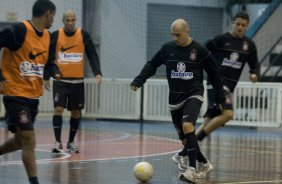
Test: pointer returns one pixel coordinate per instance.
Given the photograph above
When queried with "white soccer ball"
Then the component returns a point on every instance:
(143, 171)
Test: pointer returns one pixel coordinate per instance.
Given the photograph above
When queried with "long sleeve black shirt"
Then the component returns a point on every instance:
(184, 71)
(231, 54)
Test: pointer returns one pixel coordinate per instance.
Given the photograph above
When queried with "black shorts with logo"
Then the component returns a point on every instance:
(189, 112)
(20, 112)
(213, 108)
(68, 95)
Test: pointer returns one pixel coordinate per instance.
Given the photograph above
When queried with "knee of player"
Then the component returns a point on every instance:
(188, 127)
(76, 114)
(58, 111)
(27, 138)
(229, 114)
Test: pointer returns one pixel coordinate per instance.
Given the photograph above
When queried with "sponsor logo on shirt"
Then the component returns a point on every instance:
(180, 73)
(69, 57)
(31, 69)
(232, 61)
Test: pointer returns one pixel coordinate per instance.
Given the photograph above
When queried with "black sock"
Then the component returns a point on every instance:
(191, 147)
(183, 152)
(1, 153)
(202, 135)
(57, 126)
(33, 180)
(200, 156)
(74, 125)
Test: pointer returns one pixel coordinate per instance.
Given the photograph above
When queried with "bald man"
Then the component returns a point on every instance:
(68, 46)
(185, 59)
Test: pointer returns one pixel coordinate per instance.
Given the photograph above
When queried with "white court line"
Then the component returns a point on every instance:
(125, 136)
(17, 162)
(122, 137)
(250, 182)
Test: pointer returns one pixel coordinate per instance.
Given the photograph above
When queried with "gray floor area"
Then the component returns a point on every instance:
(239, 155)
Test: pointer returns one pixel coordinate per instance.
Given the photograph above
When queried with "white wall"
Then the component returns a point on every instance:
(22, 10)
(124, 33)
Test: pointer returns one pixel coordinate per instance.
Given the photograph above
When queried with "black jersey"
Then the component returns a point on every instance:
(90, 50)
(184, 71)
(231, 54)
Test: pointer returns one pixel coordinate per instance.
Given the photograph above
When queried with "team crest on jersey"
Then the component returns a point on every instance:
(56, 98)
(245, 46)
(180, 73)
(23, 117)
(228, 100)
(181, 67)
(192, 55)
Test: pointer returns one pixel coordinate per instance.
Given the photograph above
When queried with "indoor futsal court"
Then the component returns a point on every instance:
(121, 127)
(110, 149)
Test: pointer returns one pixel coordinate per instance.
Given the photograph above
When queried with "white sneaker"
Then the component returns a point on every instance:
(71, 147)
(204, 169)
(175, 158)
(180, 161)
(190, 175)
(57, 148)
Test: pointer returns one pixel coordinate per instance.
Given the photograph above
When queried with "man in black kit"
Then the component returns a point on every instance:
(185, 60)
(231, 51)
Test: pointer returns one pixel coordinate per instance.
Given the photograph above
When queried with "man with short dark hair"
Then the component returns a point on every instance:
(23, 67)
(231, 51)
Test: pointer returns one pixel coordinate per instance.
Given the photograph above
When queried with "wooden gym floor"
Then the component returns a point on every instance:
(110, 149)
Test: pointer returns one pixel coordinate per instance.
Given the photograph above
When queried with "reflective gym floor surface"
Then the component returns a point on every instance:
(110, 149)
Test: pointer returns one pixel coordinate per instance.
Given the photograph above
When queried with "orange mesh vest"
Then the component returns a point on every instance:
(23, 69)
(70, 54)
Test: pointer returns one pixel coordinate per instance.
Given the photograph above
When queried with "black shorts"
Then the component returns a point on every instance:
(68, 95)
(189, 112)
(213, 108)
(20, 112)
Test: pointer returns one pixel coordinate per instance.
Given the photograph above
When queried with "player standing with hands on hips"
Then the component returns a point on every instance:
(185, 59)
(23, 68)
(67, 48)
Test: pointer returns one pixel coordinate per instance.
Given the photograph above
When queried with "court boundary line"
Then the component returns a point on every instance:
(254, 182)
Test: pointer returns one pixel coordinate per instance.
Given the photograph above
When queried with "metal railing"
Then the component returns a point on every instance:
(272, 63)
(257, 105)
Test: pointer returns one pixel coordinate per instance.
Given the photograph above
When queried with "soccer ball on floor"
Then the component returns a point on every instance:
(143, 171)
